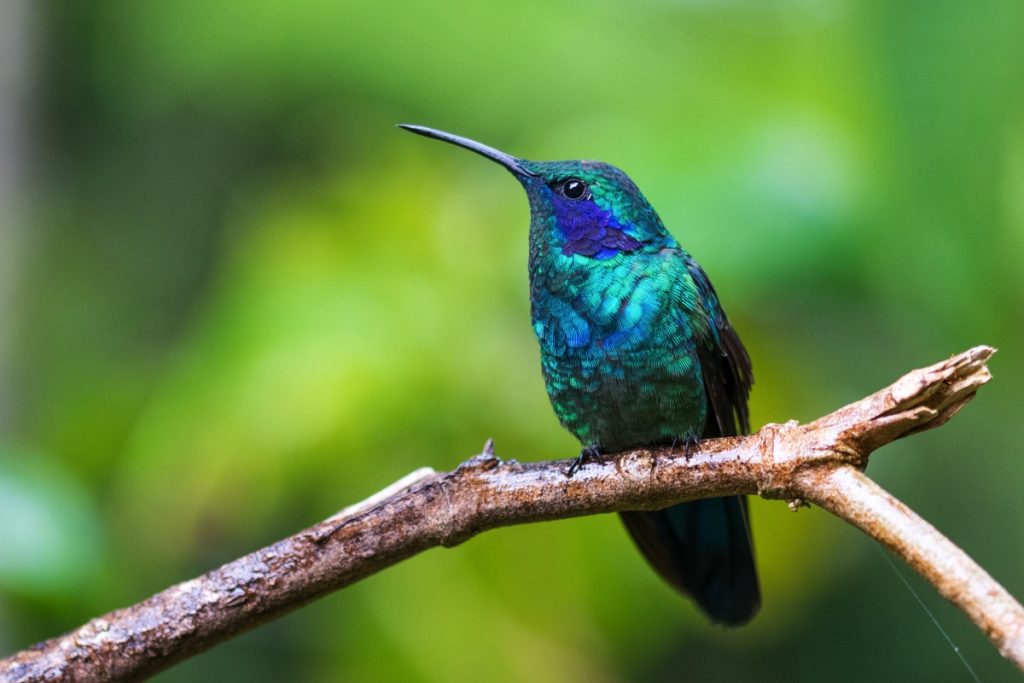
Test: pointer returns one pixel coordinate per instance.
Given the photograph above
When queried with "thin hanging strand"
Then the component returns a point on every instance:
(927, 611)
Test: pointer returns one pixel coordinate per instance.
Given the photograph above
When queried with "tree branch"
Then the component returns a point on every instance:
(820, 462)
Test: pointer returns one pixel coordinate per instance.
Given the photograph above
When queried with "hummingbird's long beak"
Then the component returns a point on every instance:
(508, 161)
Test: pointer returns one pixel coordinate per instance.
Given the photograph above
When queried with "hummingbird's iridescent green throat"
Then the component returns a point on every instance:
(636, 351)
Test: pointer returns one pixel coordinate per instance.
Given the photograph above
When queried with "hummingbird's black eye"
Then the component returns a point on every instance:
(573, 188)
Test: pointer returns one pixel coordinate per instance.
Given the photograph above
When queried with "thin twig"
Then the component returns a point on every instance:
(819, 462)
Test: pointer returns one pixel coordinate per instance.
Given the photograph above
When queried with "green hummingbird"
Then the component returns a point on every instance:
(636, 351)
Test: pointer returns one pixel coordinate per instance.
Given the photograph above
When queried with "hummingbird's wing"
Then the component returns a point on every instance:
(724, 362)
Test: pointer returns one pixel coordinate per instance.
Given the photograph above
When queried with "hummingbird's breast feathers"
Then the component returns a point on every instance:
(617, 305)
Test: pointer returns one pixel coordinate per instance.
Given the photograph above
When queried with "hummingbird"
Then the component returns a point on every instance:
(636, 351)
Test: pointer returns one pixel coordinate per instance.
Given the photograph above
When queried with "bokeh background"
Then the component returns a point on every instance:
(234, 298)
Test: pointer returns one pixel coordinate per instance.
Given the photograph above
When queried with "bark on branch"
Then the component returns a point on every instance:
(820, 462)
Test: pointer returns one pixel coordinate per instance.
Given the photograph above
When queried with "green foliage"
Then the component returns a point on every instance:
(54, 542)
(247, 300)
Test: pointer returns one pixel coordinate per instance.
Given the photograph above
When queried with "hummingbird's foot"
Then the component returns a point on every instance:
(689, 442)
(587, 453)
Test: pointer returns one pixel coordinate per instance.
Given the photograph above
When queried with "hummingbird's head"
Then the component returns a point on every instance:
(583, 207)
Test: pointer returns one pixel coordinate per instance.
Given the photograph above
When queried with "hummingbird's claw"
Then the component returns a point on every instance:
(586, 453)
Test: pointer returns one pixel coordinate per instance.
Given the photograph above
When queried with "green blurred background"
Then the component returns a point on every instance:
(234, 298)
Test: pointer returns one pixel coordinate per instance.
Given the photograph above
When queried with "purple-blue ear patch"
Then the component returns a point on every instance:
(589, 230)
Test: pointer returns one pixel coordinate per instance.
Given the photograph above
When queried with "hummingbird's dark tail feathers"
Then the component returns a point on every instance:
(703, 549)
